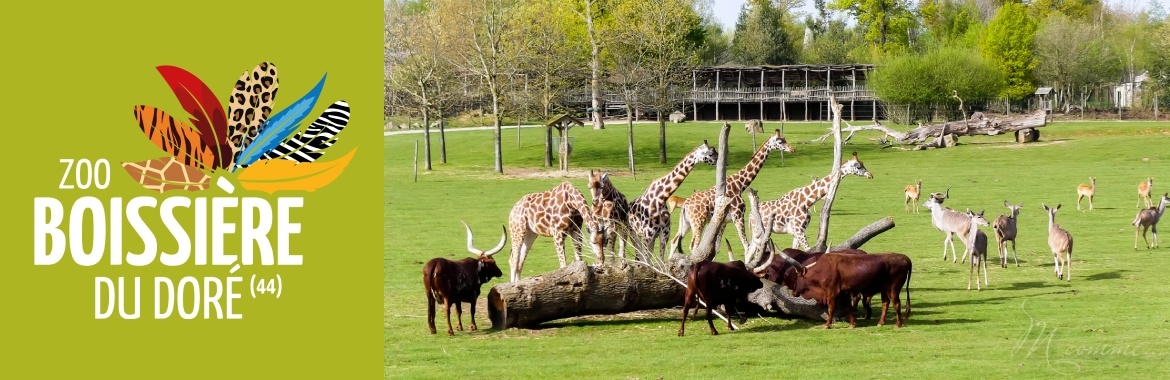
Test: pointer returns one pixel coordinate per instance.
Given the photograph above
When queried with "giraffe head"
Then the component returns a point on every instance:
(855, 167)
(705, 153)
(598, 181)
(777, 142)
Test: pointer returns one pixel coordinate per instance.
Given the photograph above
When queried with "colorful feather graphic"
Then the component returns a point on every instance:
(309, 145)
(280, 126)
(174, 137)
(250, 105)
(207, 114)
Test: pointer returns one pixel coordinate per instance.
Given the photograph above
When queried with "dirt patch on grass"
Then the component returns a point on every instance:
(553, 173)
(1022, 146)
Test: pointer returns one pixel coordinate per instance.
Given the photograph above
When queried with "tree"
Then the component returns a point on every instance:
(659, 30)
(761, 36)
(1008, 45)
(1074, 9)
(887, 23)
(935, 76)
(716, 46)
(591, 13)
(480, 31)
(951, 22)
(551, 51)
(835, 46)
(1073, 58)
(418, 76)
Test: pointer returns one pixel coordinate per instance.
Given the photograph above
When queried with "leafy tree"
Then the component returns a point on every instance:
(1075, 9)
(716, 45)
(837, 45)
(593, 14)
(887, 23)
(420, 68)
(552, 49)
(1074, 58)
(931, 78)
(1008, 44)
(950, 22)
(761, 36)
(657, 32)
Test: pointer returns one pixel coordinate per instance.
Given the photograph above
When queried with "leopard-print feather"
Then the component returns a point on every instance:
(250, 105)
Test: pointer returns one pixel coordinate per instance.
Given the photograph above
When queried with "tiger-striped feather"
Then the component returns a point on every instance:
(250, 105)
(174, 137)
(309, 145)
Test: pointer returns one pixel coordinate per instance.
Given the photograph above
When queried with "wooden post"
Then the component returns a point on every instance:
(763, 95)
(415, 160)
(694, 101)
(739, 100)
(718, 94)
(784, 98)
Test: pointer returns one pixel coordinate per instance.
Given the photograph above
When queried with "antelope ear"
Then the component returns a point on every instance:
(1006, 204)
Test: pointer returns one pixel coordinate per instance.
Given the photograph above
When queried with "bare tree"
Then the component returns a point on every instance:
(481, 31)
(417, 77)
(589, 10)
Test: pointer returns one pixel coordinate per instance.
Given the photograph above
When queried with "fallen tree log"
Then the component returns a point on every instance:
(977, 126)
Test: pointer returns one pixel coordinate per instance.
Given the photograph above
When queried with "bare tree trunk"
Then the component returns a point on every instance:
(661, 139)
(499, 152)
(629, 137)
(594, 65)
(826, 208)
(548, 146)
(426, 138)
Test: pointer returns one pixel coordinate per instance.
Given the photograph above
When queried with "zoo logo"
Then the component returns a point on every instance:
(247, 138)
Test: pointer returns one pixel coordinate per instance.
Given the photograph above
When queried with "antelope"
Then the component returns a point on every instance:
(1061, 243)
(1005, 230)
(1144, 192)
(674, 201)
(977, 248)
(912, 192)
(950, 221)
(1086, 191)
(1147, 219)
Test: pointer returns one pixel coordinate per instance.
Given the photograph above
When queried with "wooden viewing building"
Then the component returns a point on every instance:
(787, 92)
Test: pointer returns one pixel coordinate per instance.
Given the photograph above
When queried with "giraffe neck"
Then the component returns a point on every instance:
(817, 190)
(744, 177)
(670, 182)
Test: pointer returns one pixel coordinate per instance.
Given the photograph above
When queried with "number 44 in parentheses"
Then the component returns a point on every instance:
(86, 173)
(273, 286)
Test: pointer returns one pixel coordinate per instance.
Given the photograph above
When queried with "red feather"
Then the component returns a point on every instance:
(207, 114)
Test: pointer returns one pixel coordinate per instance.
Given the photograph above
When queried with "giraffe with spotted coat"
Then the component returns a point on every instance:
(790, 213)
(557, 213)
(649, 217)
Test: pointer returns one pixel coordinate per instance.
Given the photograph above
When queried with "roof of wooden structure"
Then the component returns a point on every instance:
(732, 67)
(1043, 91)
(563, 120)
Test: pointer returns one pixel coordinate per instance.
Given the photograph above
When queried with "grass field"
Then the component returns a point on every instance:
(1111, 321)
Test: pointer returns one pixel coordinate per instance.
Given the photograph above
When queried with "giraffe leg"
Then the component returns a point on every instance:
(697, 221)
(520, 252)
(577, 238)
(739, 229)
(559, 243)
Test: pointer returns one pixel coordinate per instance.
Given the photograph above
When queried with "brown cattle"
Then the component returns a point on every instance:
(781, 272)
(454, 282)
(835, 274)
(719, 284)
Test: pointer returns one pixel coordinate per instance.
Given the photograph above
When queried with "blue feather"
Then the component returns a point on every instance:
(278, 127)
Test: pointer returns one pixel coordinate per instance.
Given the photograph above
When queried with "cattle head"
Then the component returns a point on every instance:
(487, 265)
(855, 167)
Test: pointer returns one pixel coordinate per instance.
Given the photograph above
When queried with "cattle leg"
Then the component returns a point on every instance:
(447, 307)
(727, 310)
(832, 308)
(430, 310)
(459, 314)
(686, 306)
(898, 306)
(473, 328)
(711, 320)
(885, 308)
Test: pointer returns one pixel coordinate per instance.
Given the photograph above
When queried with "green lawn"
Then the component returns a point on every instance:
(1111, 321)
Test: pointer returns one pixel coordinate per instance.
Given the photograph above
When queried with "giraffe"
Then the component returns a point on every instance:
(700, 207)
(791, 212)
(615, 219)
(555, 213)
(649, 219)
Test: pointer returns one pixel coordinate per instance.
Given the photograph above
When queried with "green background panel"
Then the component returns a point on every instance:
(74, 72)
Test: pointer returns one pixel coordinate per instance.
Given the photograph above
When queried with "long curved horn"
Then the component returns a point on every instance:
(498, 247)
(948, 194)
(470, 246)
(762, 267)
